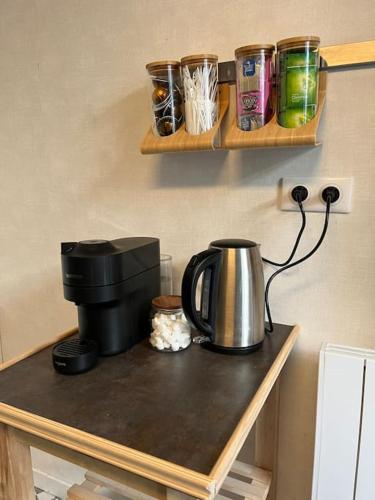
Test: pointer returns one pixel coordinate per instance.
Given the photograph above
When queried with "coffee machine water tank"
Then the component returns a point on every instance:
(112, 283)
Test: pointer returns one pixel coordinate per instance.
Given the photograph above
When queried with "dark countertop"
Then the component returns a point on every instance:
(181, 407)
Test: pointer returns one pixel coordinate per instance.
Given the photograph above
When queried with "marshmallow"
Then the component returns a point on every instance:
(175, 346)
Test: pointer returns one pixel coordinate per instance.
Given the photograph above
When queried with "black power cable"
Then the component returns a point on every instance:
(328, 200)
(295, 247)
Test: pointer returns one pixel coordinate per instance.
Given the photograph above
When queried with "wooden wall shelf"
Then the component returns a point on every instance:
(182, 141)
(273, 135)
(226, 135)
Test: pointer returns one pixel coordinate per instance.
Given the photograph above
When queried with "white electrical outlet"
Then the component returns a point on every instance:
(315, 186)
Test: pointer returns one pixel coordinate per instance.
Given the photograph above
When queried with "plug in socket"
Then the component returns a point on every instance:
(299, 193)
(331, 192)
(315, 186)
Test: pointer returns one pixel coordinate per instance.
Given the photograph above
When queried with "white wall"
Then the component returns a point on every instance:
(74, 110)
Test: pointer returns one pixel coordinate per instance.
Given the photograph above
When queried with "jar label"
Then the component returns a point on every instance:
(298, 88)
(248, 67)
(251, 101)
(301, 81)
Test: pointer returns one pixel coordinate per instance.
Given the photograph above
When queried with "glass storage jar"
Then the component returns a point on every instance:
(297, 72)
(166, 274)
(166, 97)
(170, 329)
(254, 72)
(200, 81)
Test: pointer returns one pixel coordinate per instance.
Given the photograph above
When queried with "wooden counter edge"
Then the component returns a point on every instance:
(36, 349)
(237, 439)
(171, 475)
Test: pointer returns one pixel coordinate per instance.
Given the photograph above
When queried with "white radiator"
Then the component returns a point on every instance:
(344, 464)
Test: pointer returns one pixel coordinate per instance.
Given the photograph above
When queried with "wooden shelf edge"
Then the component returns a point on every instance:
(257, 488)
(82, 492)
(182, 141)
(272, 135)
(349, 54)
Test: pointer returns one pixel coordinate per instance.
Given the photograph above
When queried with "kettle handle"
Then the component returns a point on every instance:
(208, 259)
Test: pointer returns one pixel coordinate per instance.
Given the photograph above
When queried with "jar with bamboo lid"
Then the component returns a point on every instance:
(170, 328)
(200, 81)
(166, 97)
(254, 71)
(297, 74)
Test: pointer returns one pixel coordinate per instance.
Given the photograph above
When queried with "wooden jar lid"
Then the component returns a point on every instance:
(253, 49)
(167, 302)
(199, 58)
(297, 41)
(162, 65)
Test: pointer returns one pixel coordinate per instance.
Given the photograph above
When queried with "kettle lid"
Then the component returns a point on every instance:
(233, 243)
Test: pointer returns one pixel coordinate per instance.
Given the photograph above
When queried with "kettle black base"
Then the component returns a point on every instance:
(230, 350)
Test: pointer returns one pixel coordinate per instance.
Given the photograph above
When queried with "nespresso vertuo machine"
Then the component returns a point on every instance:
(112, 283)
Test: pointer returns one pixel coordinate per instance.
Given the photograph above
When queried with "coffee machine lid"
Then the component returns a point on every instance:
(101, 262)
(233, 243)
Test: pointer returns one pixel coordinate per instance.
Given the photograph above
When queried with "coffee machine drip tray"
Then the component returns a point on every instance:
(74, 356)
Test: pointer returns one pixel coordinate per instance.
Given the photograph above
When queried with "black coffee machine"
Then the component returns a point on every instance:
(112, 283)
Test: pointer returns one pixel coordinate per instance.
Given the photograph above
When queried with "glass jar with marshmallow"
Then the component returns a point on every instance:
(170, 329)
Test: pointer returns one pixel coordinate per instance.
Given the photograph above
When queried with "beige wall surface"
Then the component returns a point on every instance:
(74, 109)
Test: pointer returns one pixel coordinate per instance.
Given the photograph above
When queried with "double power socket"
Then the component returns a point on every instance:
(315, 187)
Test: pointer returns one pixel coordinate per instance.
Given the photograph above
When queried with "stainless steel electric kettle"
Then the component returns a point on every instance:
(232, 298)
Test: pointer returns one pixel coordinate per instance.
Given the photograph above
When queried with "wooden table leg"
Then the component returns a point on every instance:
(267, 437)
(16, 474)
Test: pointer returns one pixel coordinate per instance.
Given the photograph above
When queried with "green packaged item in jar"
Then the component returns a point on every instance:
(297, 80)
(295, 117)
